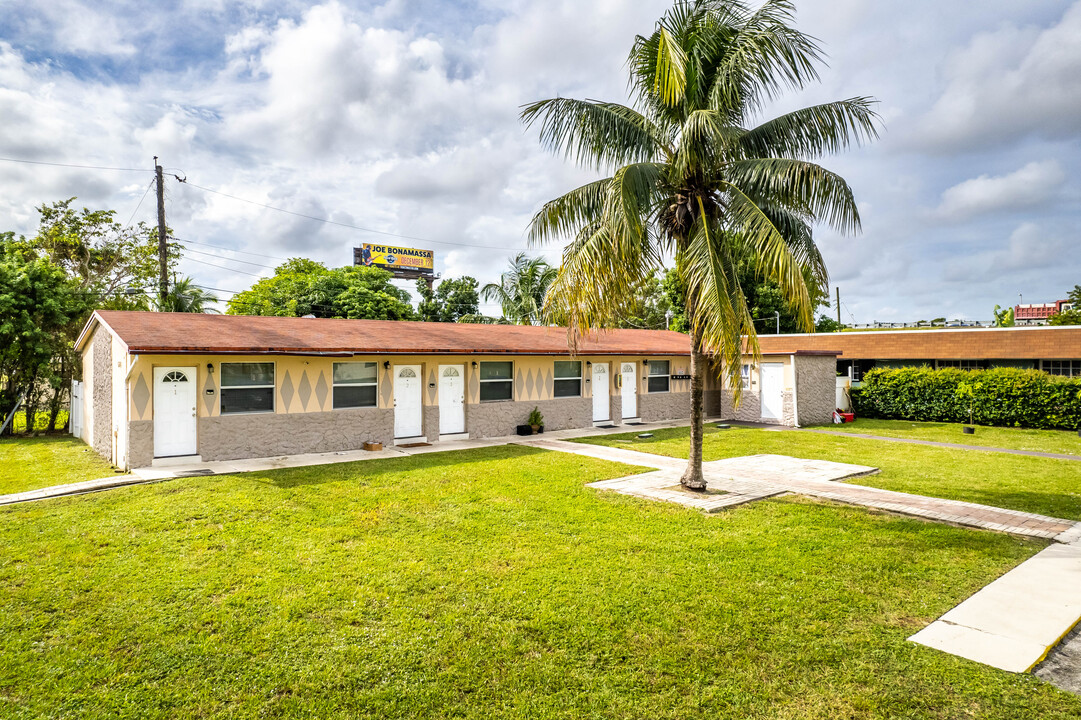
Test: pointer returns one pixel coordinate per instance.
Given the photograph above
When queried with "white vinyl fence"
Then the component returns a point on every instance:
(76, 412)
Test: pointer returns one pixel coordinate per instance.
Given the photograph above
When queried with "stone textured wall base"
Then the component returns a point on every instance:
(234, 437)
(496, 419)
(655, 407)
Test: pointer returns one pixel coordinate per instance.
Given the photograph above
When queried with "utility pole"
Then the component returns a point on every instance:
(163, 246)
(838, 288)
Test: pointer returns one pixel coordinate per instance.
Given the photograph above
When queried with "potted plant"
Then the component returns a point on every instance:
(967, 395)
(536, 420)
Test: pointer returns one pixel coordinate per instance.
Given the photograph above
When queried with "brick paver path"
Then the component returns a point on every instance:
(758, 476)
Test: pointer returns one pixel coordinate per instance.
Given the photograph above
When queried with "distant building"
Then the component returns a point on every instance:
(1055, 350)
(1038, 313)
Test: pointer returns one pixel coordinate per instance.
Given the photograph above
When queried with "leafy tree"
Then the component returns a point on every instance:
(694, 179)
(38, 306)
(186, 297)
(522, 289)
(304, 287)
(1066, 317)
(450, 302)
(103, 256)
(675, 291)
(826, 324)
(1003, 317)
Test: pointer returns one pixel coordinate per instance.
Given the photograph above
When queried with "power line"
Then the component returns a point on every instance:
(145, 193)
(351, 226)
(68, 165)
(229, 249)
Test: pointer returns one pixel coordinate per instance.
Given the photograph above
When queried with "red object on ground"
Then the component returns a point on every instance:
(848, 417)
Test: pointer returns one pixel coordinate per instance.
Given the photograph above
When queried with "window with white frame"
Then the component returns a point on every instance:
(1067, 368)
(961, 364)
(659, 376)
(354, 384)
(745, 376)
(247, 388)
(568, 378)
(496, 381)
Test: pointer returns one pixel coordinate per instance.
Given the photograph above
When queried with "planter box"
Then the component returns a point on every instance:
(373, 446)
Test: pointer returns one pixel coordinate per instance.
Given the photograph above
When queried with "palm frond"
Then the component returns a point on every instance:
(565, 215)
(810, 189)
(777, 260)
(814, 131)
(596, 134)
(716, 304)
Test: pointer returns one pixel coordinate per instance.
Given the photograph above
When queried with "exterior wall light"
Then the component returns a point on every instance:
(386, 364)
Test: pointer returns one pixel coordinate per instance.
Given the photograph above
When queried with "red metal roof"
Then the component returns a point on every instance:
(152, 332)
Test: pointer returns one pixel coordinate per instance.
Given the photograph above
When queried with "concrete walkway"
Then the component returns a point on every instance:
(1015, 621)
(936, 443)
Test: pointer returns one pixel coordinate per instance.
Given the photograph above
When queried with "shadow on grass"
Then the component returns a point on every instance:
(391, 470)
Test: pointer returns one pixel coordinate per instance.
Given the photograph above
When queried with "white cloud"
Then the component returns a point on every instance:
(1008, 84)
(1034, 185)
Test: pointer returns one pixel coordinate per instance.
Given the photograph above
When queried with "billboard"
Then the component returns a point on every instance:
(390, 257)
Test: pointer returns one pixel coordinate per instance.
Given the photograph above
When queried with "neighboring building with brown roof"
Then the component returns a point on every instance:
(1055, 350)
(223, 387)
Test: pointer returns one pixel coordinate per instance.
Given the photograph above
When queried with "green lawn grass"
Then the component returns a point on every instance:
(1052, 441)
(32, 463)
(480, 584)
(1039, 485)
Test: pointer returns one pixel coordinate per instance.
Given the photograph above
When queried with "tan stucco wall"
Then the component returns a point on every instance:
(305, 384)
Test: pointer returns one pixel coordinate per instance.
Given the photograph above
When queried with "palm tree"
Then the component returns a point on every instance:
(185, 297)
(522, 289)
(691, 180)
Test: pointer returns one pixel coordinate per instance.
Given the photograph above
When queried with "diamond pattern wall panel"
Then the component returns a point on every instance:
(432, 388)
(287, 391)
(386, 393)
(304, 391)
(140, 396)
(529, 385)
(519, 385)
(321, 390)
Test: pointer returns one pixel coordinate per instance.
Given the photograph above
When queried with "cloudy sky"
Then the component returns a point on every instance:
(401, 117)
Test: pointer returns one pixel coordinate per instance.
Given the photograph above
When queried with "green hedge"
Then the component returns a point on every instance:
(1001, 396)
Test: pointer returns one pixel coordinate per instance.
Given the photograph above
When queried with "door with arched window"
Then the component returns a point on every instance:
(451, 399)
(174, 411)
(408, 409)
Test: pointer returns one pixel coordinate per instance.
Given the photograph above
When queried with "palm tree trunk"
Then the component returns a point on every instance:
(692, 477)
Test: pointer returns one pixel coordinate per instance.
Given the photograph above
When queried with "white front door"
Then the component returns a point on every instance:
(771, 387)
(602, 399)
(451, 399)
(629, 390)
(408, 411)
(174, 411)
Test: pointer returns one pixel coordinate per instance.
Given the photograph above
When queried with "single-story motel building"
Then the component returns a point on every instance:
(159, 386)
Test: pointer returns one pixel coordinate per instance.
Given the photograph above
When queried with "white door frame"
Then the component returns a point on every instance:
(175, 421)
(602, 393)
(408, 406)
(628, 389)
(452, 423)
(776, 370)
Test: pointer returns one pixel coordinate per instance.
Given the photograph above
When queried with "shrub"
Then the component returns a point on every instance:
(1000, 396)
